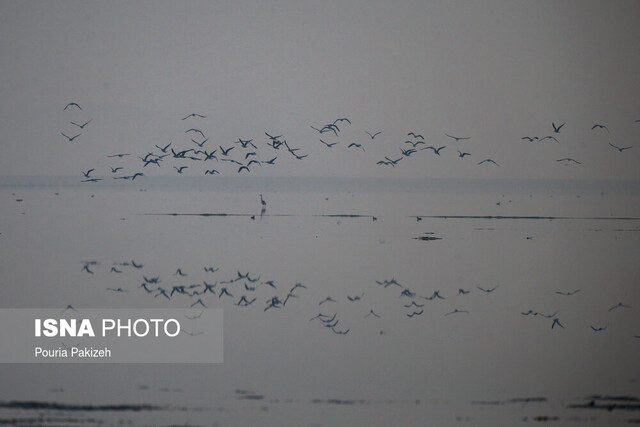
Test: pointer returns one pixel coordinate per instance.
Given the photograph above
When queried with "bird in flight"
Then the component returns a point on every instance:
(180, 169)
(372, 135)
(329, 144)
(87, 173)
(195, 115)
(356, 145)
(195, 130)
(415, 313)
(211, 172)
(568, 159)
(462, 154)
(456, 311)
(414, 144)
(226, 152)
(457, 138)
(82, 125)
(598, 126)
(488, 290)
(568, 293)
(116, 169)
(549, 137)
(556, 322)
(530, 139)
(620, 149)
(163, 149)
(619, 305)
(120, 155)
(598, 329)
(415, 136)
(117, 290)
(488, 161)
(372, 313)
(556, 129)
(70, 138)
(199, 144)
(72, 104)
(435, 150)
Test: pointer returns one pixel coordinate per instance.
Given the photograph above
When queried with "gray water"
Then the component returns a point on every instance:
(486, 364)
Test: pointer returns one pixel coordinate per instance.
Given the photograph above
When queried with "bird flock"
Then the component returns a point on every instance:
(210, 287)
(198, 154)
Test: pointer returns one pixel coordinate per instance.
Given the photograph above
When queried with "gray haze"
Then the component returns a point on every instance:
(492, 71)
(335, 221)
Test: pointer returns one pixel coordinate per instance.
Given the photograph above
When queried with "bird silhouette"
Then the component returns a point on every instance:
(568, 293)
(70, 138)
(456, 311)
(164, 149)
(415, 136)
(621, 149)
(556, 129)
(194, 115)
(372, 135)
(462, 154)
(329, 144)
(568, 159)
(196, 131)
(488, 161)
(598, 126)
(457, 138)
(619, 305)
(72, 104)
(488, 290)
(549, 137)
(82, 125)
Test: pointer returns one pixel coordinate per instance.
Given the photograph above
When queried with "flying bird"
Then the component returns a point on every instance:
(435, 150)
(72, 104)
(372, 136)
(329, 144)
(194, 115)
(488, 290)
(598, 126)
(70, 138)
(456, 311)
(82, 125)
(549, 137)
(556, 129)
(415, 136)
(568, 293)
(568, 159)
(621, 149)
(488, 161)
(457, 138)
(195, 130)
(462, 154)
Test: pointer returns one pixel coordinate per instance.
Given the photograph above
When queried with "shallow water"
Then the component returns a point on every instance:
(466, 366)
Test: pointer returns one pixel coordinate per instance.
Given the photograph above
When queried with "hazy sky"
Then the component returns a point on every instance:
(493, 71)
